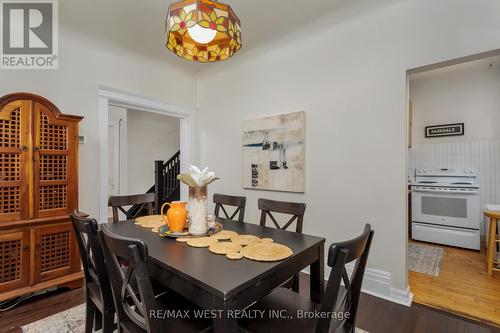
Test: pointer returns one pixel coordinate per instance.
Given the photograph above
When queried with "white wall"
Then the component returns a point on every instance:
(85, 61)
(348, 72)
(151, 137)
(468, 93)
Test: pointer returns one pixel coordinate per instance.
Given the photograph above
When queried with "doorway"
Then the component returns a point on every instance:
(453, 173)
(130, 101)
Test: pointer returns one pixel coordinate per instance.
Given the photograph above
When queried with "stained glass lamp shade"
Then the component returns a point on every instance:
(203, 30)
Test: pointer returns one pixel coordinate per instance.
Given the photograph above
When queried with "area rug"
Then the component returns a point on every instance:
(424, 259)
(70, 321)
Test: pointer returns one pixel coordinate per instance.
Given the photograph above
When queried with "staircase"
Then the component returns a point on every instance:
(166, 187)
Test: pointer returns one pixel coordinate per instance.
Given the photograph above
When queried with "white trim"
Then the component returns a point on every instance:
(378, 283)
(128, 99)
(103, 158)
(115, 126)
(117, 97)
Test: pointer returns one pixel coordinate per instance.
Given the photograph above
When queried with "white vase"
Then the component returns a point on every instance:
(198, 210)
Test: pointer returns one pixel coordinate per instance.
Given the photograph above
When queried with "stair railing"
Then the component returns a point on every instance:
(166, 182)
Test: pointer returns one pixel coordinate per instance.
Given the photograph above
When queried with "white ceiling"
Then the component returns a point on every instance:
(138, 25)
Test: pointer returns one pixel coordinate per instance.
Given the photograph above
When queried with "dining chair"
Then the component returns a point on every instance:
(339, 305)
(143, 200)
(137, 307)
(221, 200)
(297, 210)
(100, 309)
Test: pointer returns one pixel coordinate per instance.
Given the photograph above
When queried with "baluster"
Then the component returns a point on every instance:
(169, 178)
(159, 185)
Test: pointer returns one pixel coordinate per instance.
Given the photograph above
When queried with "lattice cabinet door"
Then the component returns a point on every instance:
(55, 252)
(14, 260)
(15, 160)
(55, 174)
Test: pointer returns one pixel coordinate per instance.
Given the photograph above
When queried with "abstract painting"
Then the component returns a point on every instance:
(273, 153)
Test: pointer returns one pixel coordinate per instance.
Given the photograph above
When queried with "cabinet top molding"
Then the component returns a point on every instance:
(5, 100)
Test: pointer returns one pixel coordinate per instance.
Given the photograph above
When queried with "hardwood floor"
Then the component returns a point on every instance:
(40, 307)
(463, 286)
(375, 315)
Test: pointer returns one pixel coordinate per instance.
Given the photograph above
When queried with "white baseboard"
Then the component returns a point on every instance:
(378, 283)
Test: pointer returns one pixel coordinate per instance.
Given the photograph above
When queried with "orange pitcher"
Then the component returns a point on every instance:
(176, 215)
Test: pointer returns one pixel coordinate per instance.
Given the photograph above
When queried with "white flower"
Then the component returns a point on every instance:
(201, 178)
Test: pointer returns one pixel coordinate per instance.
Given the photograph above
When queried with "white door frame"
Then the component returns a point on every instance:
(115, 126)
(186, 116)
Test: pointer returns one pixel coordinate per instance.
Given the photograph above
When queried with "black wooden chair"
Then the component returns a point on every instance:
(340, 304)
(297, 210)
(100, 306)
(221, 200)
(142, 200)
(137, 307)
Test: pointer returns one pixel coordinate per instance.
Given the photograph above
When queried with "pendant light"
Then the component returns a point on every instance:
(202, 30)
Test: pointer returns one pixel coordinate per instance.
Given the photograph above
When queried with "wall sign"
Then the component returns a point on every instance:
(444, 130)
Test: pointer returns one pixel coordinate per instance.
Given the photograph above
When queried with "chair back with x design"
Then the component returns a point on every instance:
(91, 255)
(119, 202)
(295, 209)
(127, 261)
(345, 300)
(221, 200)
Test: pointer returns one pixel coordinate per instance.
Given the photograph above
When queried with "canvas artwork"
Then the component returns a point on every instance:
(273, 153)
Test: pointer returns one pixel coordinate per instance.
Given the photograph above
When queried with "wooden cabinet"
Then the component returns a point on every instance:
(38, 191)
(15, 124)
(55, 251)
(14, 260)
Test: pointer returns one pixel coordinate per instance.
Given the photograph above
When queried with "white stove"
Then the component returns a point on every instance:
(445, 207)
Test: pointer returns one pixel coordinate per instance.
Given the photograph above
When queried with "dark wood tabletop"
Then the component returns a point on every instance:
(215, 282)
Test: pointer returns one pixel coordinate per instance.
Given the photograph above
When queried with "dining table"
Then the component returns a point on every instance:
(214, 282)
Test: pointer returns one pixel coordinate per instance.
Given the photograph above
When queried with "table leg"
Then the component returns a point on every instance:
(317, 278)
(491, 245)
(225, 323)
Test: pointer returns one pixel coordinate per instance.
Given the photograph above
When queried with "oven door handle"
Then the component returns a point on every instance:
(449, 191)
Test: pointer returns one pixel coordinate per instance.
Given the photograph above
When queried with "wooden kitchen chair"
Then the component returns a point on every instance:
(100, 311)
(221, 200)
(338, 299)
(295, 209)
(137, 307)
(143, 200)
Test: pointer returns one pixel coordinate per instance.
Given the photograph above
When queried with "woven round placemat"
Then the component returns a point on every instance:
(225, 235)
(266, 240)
(234, 255)
(244, 240)
(152, 222)
(182, 239)
(224, 247)
(266, 251)
(201, 241)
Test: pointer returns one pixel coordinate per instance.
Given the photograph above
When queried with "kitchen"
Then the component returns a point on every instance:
(453, 178)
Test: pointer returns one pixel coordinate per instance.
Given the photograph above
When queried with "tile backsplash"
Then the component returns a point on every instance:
(484, 156)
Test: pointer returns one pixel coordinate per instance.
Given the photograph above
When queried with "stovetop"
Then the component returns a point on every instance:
(445, 184)
(462, 178)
